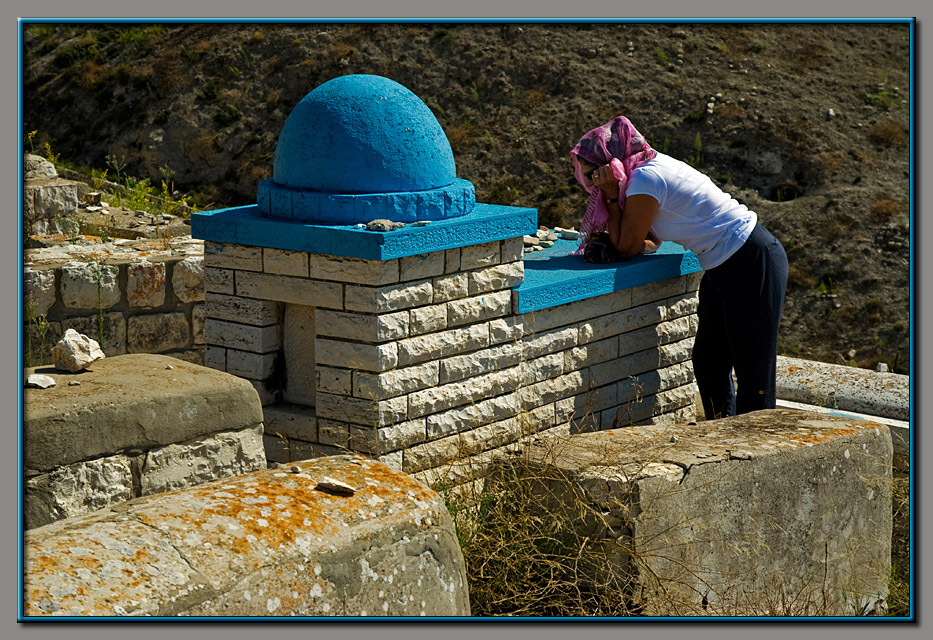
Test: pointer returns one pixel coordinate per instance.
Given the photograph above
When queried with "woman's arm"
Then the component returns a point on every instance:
(631, 233)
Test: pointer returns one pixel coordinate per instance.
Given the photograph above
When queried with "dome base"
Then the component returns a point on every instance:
(277, 201)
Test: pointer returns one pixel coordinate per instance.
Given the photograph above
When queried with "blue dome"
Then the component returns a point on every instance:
(364, 135)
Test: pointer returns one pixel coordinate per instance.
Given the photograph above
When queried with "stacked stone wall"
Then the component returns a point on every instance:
(149, 304)
(423, 360)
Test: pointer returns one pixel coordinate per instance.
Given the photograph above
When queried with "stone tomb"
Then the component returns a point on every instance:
(437, 340)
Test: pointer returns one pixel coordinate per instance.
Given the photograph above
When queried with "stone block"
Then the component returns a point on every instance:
(130, 402)
(232, 256)
(333, 380)
(47, 198)
(158, 332)
(479, 308)
(268, 393)
(360, 411)
(642, 408)
(333, 432)
(590, 403)
(400, 436)
(83, 282)
(693, 281)
(659, 290)
(76, 489)
(194, 356)
(452, 260)
(538, 344)
(432, 454)
(509, 328)
(215, 357)
(219, 280)
(39, 287)
(423, 265)
(656, 335)
(251, 311)
(260, 557)
(37, 346)
(362, 327)
(554, 389)
(285, 263)
(542, 368)
(205, 459)
(512, 249)
(379, 386)
(354, 355)
(582, 310)
(641, 361)
(198, 315)
(254, 366)
(145, 284)
(300, 352)
(476, 256)
(479, 362)
(114, 343)
(311, 293)
(787, 507)
(445, 343)
(188, 279)
(591, 353)
(388, 298)
(450, 287)
(654, 381)
(503, 276)
(471, 416)
(440, 398)
(290, 421)
(240, 336)
(340, 269)
(428, 319)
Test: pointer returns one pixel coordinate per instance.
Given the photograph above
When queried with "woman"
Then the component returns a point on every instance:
(642, 197)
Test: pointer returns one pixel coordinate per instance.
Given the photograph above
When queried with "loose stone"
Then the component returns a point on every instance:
(384, 225)
(39, 381)
(336, 487)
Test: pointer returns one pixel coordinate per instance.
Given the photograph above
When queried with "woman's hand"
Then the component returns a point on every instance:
(602, 177)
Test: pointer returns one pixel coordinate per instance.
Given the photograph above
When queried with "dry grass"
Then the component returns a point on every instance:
(539, 541)
(884, 208)
(889, 134)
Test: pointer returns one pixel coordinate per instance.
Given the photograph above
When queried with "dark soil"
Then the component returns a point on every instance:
(807, 124)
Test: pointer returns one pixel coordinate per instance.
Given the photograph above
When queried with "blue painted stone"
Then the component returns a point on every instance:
(361, 147)
(243, 225)
(553, 277)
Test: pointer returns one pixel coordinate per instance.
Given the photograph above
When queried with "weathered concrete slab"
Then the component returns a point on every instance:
(770, 513)
(130, 403)
(264, 544)
(846, 388)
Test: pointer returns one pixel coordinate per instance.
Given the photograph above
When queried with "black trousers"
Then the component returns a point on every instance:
(739, 313)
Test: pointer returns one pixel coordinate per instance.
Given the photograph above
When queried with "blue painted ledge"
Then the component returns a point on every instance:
(244, 225)
(552, 277)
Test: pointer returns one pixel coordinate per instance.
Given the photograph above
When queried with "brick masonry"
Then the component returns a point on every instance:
(421, 360)
(148, 304)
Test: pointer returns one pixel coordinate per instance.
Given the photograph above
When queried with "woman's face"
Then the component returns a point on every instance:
(587, 169)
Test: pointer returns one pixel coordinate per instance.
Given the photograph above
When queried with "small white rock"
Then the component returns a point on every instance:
(75, 351)
(335, 486)
(39, 381)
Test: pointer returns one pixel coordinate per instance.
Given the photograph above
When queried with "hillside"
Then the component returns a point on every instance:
(806, 124)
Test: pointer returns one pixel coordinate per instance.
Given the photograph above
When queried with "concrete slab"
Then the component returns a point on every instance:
(130, 403)
(269, 543)
(770, 513)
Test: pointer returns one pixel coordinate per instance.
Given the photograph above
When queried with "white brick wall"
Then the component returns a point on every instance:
(421, 360)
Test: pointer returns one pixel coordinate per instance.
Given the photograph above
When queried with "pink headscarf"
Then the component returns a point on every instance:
(618, 144)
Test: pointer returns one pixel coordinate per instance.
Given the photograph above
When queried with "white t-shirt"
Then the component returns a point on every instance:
(693, 211)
